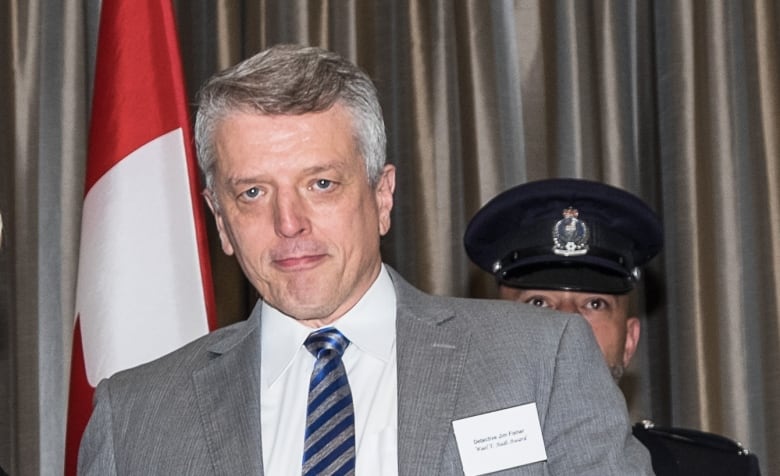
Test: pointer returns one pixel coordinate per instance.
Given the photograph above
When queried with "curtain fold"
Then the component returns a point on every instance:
(675, 101)
(719, 209)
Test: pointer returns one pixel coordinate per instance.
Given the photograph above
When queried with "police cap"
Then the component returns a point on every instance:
(565, 234)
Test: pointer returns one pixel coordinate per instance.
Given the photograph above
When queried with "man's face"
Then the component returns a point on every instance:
(616, 333)
(293, 203)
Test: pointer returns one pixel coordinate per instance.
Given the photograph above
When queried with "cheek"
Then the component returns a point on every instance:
(607, 333)
(361, 223)
(248, 236)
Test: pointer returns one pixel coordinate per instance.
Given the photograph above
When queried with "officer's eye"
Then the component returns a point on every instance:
(597, 304)
(538, 302)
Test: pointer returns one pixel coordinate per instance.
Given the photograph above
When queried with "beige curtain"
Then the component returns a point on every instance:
(677, 101)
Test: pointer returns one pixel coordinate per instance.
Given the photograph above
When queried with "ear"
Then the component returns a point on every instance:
(227, 246)
(384, 197)
(633, 330)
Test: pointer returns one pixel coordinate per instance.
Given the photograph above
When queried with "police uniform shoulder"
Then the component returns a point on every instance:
(688, 452)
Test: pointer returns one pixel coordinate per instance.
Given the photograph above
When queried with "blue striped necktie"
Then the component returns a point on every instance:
(329, 447)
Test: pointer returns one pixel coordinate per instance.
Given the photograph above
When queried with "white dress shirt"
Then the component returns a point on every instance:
(370, 362)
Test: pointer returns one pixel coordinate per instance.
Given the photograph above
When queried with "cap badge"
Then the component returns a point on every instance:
(570, 234)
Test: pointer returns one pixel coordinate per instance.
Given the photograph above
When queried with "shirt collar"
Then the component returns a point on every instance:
(369, 325)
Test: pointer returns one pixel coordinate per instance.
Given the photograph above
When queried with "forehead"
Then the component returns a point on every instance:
(253, 125)
(246, 140)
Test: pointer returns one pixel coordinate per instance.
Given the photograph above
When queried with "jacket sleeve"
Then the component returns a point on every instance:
(587, 428)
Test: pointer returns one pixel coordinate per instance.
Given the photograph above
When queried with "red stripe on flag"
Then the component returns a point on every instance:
(139, 95)
(135, 94)
(80, 408)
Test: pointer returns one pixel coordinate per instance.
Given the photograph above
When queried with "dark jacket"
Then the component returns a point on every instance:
(684, 452)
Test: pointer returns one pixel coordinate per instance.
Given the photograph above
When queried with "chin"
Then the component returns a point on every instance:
(617, 371)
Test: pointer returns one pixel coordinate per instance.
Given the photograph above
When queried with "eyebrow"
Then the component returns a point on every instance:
(313, 170)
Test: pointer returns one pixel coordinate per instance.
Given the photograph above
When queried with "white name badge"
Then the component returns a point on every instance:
(500, 440)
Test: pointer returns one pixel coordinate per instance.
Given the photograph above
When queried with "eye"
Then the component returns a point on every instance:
(322, 184)
(597, 304)
(251, 193)
(538, 302)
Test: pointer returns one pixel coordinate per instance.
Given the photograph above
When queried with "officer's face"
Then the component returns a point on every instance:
(616, 333)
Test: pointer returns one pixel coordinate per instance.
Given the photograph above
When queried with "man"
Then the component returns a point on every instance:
(578, 246)
(391, 381)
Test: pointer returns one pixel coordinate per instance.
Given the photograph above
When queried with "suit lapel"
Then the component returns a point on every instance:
(228, 395)
(431, 351)
(431, 354)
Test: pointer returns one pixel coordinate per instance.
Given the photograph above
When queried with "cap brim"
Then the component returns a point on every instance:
(568, 278)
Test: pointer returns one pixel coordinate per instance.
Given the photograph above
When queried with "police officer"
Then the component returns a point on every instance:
(579, 246)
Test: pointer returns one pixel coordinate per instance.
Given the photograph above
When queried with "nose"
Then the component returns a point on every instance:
(567, 306)
(290, 214)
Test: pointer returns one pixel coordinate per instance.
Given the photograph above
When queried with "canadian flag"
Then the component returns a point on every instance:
(144, 278)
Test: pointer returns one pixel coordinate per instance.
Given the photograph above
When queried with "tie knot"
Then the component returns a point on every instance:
(325, 340)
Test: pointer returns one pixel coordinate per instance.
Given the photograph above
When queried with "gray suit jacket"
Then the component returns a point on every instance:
(197, 410)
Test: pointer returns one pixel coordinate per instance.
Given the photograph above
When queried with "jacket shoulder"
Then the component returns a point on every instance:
(180, 362)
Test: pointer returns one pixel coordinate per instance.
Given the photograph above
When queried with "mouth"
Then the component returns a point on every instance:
(299, 263)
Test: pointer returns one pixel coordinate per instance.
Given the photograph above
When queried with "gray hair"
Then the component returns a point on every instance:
(292, 80)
